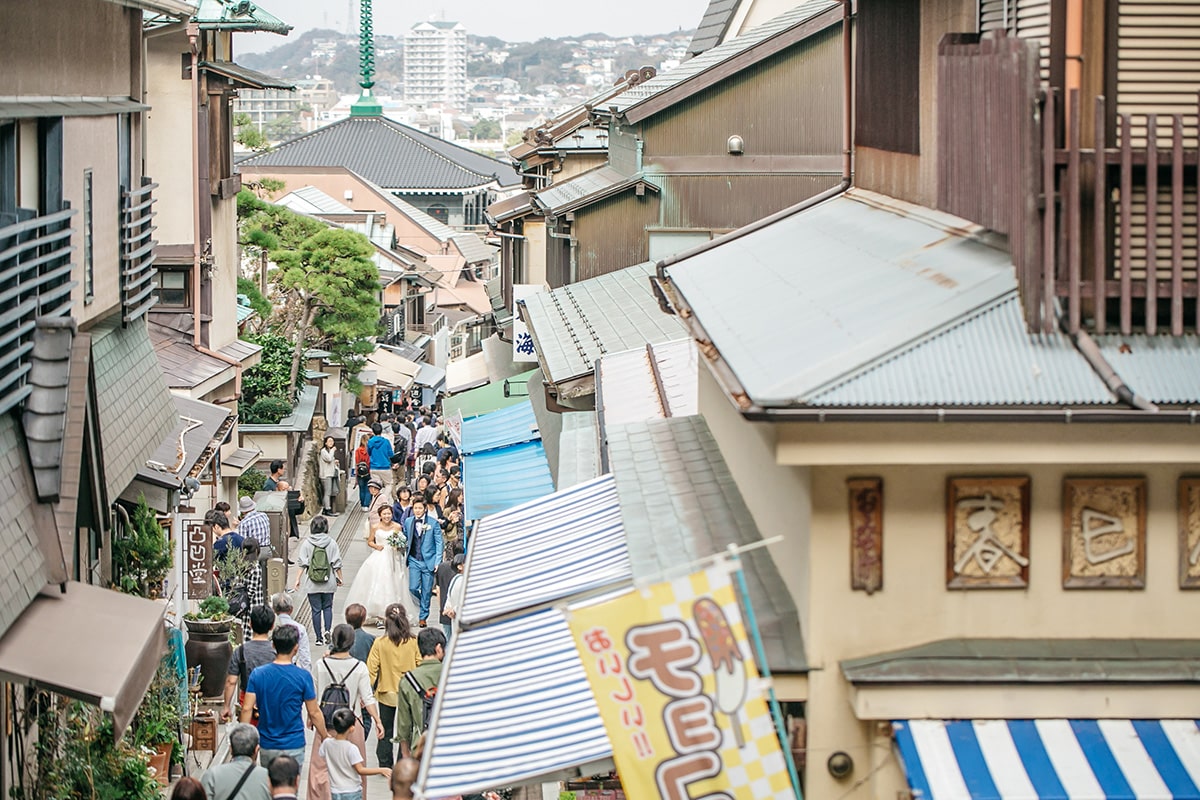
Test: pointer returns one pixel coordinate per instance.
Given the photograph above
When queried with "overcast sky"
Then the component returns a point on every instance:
(511, 21)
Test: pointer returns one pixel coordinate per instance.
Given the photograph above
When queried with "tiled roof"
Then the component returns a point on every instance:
(389, 154)
(197, 424)
(713, 25)
(578, 449)
(22, 565)
(510, 208)
(587, 187)
(986, 358)
(680, 504)
(45, 414)
(576, 324)
(474, 249)
(185, 367)
(235, 15)
(693, 67)
(136, 411)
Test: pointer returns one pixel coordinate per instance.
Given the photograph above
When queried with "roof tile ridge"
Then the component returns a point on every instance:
(291, 142)
(401, 130)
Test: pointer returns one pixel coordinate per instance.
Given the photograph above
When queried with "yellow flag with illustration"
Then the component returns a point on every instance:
(678, 690)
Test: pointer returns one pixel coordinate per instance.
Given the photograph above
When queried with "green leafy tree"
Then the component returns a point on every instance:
(259, 303)
(486, 129)
(247, 134)
(332, 281)
(269, 377)
(142, 557)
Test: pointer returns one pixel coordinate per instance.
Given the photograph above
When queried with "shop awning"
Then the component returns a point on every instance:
(1079, 759)
(508, 714)
(545, 550)
(502, 428)
(431, 376)
(488, 397)
(89, 643)
(497, 480)
(394, 370)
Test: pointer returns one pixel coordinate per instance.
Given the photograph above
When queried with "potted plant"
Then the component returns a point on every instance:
(156, 725)
(233, 572)
(142, 557)
(208, 643)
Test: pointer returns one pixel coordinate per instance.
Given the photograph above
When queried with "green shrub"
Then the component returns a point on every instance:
(251, 482)
(266, 411)
(142, 557)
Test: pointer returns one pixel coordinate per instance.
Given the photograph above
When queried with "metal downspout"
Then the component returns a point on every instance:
(1088, 348)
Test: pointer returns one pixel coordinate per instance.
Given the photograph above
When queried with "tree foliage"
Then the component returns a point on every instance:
(143, 556)
(248, 135)
(259, 303)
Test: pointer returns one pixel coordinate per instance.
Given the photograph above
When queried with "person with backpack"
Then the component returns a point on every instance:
(319, 565)
(248, 656)
(342, 682)
(362, 470)
(418, 690)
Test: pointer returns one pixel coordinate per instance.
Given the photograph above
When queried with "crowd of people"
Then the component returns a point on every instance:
(364, 682)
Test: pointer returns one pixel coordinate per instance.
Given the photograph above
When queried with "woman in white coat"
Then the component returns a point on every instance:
(327, 470)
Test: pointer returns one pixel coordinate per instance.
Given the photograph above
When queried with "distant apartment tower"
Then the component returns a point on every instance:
(435, 64)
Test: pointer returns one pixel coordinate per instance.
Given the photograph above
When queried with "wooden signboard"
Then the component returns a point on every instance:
(987, 532)
(197, 558)
(1189, 532)
(1104, 533)
(866, 534)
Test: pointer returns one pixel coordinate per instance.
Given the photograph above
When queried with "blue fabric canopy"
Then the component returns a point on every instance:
(497, 480)
(507, 426)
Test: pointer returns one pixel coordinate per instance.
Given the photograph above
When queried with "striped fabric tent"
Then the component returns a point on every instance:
(1076, 759)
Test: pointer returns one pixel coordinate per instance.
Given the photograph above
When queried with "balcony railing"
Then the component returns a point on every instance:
(35, 281)
(1107, 234)
(137, 251)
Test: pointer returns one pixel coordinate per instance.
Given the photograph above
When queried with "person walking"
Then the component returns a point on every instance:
(247, 657)
(347, 766)
(255, 525)
(442, 579)
(362, 471)
(379, 499)
(341, 669)
(356, 615)
(281, 604)
(424, 536)
(328, 470)
(251, 584)
(319, 566)
(379, 449)
(240, 778)
(392, 655)
(281, 692)
(410, 705)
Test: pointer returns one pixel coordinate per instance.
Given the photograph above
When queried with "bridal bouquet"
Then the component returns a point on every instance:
(396, 540)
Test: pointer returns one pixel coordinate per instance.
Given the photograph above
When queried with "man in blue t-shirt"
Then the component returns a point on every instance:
(280, 691)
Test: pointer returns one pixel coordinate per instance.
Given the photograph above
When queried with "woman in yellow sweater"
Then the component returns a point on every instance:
(392, 655)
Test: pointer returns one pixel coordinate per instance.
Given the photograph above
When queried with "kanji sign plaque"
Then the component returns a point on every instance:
(866, 534)
(1189, 532)
(1104, 533)
(987, 532)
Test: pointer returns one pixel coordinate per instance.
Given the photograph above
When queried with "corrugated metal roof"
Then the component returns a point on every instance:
(514, 704)
(713, 25)
(852, 280)
(25, 106)
(711, 58)
(578, 449)
(389, 154)
(985, 358)
(431, 376)
(576, 324)
(1163, 369)
(507, 426)
(680, 504)
(406, 350)
(1032, 661)
(587, 187)
(473, 249)
(545, 550)
(508, 476)
(311, 200)
(651, 382)
(464, 375)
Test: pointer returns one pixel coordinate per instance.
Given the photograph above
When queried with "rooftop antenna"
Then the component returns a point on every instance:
(367, 105)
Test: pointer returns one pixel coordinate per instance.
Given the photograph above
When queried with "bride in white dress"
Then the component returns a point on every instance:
(383, 577)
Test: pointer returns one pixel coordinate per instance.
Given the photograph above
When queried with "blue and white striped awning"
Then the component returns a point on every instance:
(499, 479)
(514, 704)
(544, 550)
(502, 428)
(1076, 759)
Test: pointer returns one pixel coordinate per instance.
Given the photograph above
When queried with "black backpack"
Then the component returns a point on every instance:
(427, 697)
(336, 695)
(238, 598)
(362, 470)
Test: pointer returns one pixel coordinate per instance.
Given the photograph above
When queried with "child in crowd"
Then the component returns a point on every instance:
(345, 762)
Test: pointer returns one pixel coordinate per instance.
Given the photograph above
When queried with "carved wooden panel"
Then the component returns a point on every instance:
(1104, 533)
(866, 534)
(1189, 532)
(987, 532)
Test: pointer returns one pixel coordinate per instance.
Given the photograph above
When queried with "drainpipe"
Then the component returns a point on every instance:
(1088, 348)
(847, 98)
(198, 197)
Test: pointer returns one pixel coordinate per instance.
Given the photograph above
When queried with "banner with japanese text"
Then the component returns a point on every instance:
(678, 690)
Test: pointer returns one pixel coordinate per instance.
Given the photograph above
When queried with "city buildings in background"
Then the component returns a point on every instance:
(435, 64)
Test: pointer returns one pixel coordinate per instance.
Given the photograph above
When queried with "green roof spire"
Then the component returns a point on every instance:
(366, 105)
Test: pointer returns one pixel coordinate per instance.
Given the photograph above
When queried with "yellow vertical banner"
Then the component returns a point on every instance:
(678, 690)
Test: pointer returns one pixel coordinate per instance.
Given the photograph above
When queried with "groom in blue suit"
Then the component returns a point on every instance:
(424, 554)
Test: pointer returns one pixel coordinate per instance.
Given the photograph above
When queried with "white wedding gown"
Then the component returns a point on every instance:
(383, 580)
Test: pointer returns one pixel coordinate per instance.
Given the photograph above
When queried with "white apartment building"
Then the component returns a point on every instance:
(435, 64)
